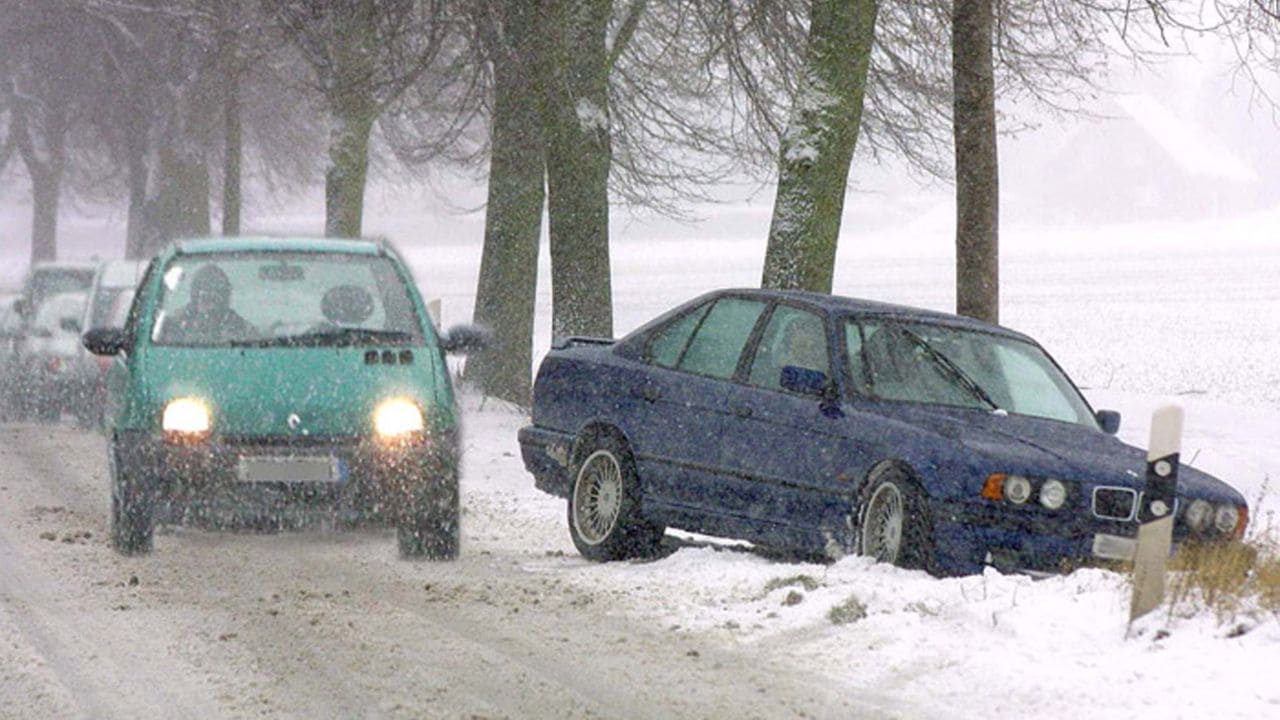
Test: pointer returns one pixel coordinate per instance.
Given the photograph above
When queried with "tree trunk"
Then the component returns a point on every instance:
(977, 166)
(135, 230)
(177, 205)
(46, 187)
(818, 145)
(507, 289)
(233, 149)
(579, 156)
(40, 137)
(344, 179)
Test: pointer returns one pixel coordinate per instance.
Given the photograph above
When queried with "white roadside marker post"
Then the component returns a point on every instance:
(1155, 514)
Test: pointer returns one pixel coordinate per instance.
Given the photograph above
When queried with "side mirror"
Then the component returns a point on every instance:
(71, 325)
(104, 341)
(466, 339)
(1109, 420)
(804, 381)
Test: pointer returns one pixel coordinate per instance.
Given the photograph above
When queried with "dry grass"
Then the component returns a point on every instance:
(1229, 580)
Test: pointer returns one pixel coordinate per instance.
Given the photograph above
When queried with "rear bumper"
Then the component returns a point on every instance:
(373, 482)
(547, 454)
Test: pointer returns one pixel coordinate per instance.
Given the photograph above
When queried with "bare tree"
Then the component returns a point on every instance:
(364, 55)
(977, 166)
(818, 146)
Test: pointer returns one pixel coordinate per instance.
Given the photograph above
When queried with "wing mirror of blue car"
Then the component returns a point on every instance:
(466, 339)
(104, 341)
(804, 381)
(1109, 421)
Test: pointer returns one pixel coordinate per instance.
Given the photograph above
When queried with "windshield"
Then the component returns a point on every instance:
(47, 282)
(926, 363)
(283, 299)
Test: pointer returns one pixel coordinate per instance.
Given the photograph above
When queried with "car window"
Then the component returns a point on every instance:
(901, 369)
(104, 300)
(935, 363)
(668, 343)
(717, 345)
(792, 337)
(283, 298)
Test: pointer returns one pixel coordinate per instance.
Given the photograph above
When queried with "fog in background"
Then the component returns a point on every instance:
(1181, 141)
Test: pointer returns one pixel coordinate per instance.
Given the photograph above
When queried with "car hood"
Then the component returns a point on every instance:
(1049, 448)
(254, 392)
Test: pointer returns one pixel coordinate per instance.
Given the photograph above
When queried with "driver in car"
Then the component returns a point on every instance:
(207, 317)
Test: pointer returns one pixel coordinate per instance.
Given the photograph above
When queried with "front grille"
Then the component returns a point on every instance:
(1114, 503)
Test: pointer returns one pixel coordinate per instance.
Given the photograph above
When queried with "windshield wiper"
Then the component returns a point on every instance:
(337, 337)
(952, 370)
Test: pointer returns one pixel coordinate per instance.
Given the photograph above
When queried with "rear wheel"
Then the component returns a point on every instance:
(895, 525)
(604, 505)
(132, 509)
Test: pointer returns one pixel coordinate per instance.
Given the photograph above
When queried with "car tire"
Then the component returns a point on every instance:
(431, 531)
(894, 522)
(132, 509)
(604, 505)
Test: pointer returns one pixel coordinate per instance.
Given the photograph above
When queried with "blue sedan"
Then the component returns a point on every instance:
(827, 425)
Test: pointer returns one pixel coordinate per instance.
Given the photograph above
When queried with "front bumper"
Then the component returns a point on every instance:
(371, 482)
(971, 536)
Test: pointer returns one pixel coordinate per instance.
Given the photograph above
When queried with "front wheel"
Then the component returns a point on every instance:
(132, 509)
(895, 527)
(431, 530)
(604, 506)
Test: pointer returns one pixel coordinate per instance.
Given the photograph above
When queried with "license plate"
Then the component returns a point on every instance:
(289, 469)
(1114, 547)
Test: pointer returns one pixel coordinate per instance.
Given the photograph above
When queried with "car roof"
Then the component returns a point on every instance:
(121, 273)
(198, 246)
(841, 305)
(56, 265)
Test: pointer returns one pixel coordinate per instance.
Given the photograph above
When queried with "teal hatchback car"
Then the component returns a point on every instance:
(282, 378)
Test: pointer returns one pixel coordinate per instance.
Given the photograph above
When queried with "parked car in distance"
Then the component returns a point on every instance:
(46, 383)
(109, 296)
(285, 376)
(830, 425)
(42, 281)
(10, 330)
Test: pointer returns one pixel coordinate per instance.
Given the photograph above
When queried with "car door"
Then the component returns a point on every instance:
(788, 452)
(676, 443)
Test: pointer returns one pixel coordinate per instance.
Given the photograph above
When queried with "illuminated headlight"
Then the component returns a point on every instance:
(397, 418)
(186, 416)
(1225, 518)
(1053, 493)
(1017, 489)
(1198, 515)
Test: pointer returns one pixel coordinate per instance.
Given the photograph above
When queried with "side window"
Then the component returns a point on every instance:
(717, 345)
(793, 337)
(667, 344)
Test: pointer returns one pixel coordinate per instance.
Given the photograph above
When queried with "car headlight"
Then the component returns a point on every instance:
(1225, 518)
(397, 418)
(186, 417)
(1198, 515)
(1017, 489)
(1053, 494)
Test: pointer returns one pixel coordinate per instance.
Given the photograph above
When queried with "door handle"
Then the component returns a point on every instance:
(742, 411)
(646, 392)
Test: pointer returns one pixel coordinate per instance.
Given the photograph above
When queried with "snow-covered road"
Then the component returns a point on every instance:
(316, 624)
